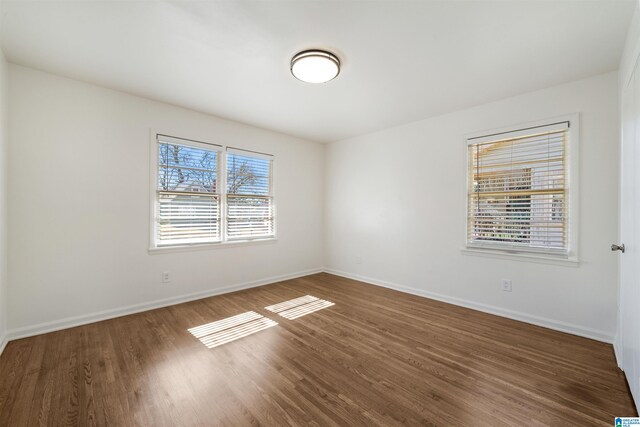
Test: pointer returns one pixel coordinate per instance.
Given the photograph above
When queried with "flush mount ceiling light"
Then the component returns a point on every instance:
(315, 66)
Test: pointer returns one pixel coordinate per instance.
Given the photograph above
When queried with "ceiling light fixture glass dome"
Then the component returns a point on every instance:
(315, 66)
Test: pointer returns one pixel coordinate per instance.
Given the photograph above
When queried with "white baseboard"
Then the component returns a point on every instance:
(511, 314)
(71, 322)
(3, 343)
(618, 351)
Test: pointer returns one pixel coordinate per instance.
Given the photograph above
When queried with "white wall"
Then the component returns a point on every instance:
(79, 204)
(4, 142)
(79, 210)
(396, 199)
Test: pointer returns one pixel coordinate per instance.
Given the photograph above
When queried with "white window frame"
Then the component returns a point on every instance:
(222, 185)
(569, 258)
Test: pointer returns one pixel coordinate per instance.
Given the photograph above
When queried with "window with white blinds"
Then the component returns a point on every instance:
(204, 194)
(187, 196)
(249, 195)
(518, 190)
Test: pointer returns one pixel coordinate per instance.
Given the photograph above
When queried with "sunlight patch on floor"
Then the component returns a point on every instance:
(232, 328)
(299, 307)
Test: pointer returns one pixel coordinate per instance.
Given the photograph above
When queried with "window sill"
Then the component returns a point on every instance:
(209, 246)
(522, 256)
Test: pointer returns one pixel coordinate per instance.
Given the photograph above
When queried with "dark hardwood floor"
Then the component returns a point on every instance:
(375, 357)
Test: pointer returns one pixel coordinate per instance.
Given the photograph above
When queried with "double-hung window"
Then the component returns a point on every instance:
(206, 193)
(518, 190)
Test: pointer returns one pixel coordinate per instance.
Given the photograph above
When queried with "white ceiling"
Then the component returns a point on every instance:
(402, 60)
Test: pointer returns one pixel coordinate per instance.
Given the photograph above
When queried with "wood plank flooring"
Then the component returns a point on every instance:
(375, 357)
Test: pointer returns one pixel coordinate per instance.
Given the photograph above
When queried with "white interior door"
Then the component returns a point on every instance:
(630, 235)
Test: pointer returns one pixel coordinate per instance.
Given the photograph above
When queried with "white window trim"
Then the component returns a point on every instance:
(222, 180)
(524, 254)
(211, 246)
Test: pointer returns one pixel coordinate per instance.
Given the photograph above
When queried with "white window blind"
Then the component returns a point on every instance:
(249, 195)
(518, 189)
(187, 195)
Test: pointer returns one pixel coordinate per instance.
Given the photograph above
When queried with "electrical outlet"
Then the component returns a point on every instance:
(506, 285)
(358, 260)
(166, 277)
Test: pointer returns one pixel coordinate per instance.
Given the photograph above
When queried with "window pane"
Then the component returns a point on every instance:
(187, 218)
(517, 192)
(249, 217)
(249, 201)
(183, 168)
(248, 175)
(183, 217)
